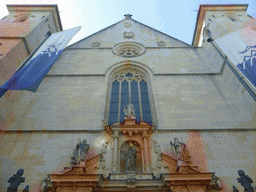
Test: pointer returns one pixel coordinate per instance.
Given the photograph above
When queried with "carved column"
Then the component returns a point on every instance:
(115, 163)
(146, 155)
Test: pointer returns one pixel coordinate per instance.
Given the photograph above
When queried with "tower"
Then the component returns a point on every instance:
(23, 30)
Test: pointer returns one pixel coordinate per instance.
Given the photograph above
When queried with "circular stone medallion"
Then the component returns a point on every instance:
(128, 49)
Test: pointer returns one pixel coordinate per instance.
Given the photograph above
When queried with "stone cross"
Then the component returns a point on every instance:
(128, 16)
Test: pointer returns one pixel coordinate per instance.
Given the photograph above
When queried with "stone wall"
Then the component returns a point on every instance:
(160, 61)
(61, 103)
(223, 152)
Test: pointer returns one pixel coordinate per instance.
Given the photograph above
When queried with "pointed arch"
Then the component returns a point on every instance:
(128, 81)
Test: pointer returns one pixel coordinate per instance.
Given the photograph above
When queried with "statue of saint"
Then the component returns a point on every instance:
(179, 148)
(129, 110)
(15, 181)
(245, 181)
(104, 147)
(82, 147)
(130, 158)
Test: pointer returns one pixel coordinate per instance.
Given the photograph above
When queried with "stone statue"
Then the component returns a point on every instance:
(83, 147)
(15, 181)
(104, 147)
(129, 110)
(179, 148)
(245, 181)
(130, 158)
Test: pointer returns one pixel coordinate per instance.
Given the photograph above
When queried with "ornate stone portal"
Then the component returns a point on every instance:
(137, 164)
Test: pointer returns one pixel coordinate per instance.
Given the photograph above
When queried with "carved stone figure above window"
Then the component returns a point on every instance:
(128, 35)
(160, 44)
(95, 44)
(129, 49)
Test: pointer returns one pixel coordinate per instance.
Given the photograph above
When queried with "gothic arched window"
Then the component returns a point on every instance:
(129, 86)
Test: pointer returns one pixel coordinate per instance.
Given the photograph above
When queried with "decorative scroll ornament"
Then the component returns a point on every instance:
(160, 44)
(128, 35)
(95, 44)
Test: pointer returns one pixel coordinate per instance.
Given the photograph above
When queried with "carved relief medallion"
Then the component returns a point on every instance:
(128, 35)
(127, 25)
(128, 49)
(160, 44)
(95, 44)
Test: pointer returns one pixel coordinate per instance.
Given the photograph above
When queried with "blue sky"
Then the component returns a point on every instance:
(175, 18)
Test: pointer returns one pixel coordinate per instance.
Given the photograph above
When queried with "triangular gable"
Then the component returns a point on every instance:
(141, 33)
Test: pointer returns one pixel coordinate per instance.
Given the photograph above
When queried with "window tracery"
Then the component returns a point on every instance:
(129, 86)
(128, 49)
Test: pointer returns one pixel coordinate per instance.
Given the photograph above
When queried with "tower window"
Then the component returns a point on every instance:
(129, 87)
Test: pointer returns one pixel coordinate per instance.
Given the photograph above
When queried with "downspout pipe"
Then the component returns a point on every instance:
(210, 40)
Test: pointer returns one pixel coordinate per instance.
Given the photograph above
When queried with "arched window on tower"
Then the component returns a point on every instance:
(129, 86)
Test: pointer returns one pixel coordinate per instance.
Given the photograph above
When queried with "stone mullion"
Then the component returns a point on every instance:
(145, 135)
(115, 164)
(129, 90)
(119, 104)
(141, 116)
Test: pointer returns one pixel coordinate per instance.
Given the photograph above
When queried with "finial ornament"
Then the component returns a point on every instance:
(128, 16)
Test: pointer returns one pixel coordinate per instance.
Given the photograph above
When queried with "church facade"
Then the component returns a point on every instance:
(128, 108)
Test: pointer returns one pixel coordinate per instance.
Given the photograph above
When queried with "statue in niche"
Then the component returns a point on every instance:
(179, 149)
(15, 181)
(80, 152)
(130, 158)
(129, 110)
(245, 181)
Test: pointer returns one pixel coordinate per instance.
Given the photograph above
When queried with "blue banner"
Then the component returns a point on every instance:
(240, 48)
